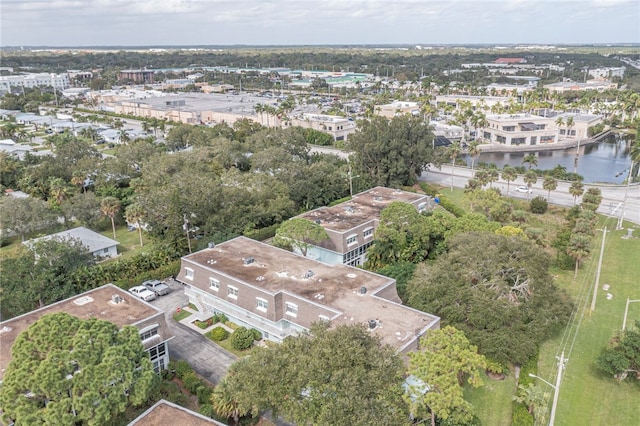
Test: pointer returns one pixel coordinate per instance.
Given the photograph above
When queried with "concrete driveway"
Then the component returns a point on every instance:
(205, 357)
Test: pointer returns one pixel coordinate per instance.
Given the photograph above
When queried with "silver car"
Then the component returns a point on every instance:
(158, 287)
(143, 293)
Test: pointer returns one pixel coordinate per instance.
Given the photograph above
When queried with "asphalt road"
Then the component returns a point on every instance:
(612, 195)
(205, 357)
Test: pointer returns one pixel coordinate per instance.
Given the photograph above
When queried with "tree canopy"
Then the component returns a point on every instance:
(326, 376)
(496, 289)
(66, 370)
(299, 233)
(391, 152)
(621, 358)
(445, 360)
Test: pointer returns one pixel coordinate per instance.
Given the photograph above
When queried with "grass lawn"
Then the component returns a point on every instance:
(588, 396)
(129, 241)
(226, 344)
(179, 316)
(490, 400)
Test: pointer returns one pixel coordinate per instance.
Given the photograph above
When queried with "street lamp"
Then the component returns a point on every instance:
(626, 311)
(556, 387)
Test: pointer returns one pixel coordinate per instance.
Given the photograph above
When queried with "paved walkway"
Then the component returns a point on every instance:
(207, 359)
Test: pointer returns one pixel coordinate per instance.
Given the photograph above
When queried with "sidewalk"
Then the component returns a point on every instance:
(188, 322)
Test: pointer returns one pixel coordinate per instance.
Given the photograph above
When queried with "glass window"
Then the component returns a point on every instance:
(188, 273)
(148, 334)
(214, 284)
(368, 232)
(232, 292)
(262, 304)
(291, 309)
(352, 239)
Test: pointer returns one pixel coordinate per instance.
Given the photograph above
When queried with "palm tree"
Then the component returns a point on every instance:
(78, 180)
(559, 122)
(225, 405)
(576, 189)
(530, 178)
(134, 214)
(482, 176)
(474, 152)
(58, 191)
(550, 184)
(454, 151)
(110, 206)
(509, 174)
(530, 160)
(492, 175)
(579, 248)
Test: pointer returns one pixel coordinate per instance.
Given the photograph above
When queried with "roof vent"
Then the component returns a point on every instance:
(363, 290)
(377, 198)
(248, 260)
(349, 209)
(211, 245)
(318, 221)
(372, 324)
(308, 274)
(116, 299)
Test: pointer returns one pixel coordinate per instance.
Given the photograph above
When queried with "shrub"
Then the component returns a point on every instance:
(539, 205)
(428, 189)
(181, 368)
(207, 410)
(521, 416)
(256, 334)
(242, 339)
(262, 233)
(204, 394)
(218, 334)
(191, 381)
(448, 205)
(222, 318)
(336, 202)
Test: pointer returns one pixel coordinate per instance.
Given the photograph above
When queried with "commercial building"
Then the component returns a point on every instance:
(519, 129)
(571, 86)
(108, 303)
(351, 225)
(396, 108)
(57, 81)
(138, 76)
(338, 127)
(282, 294)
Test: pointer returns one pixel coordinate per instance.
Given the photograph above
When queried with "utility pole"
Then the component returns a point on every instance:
(554, 406)
(595, 286)
(624, 202)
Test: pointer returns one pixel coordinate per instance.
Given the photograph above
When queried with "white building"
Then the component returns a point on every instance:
(57, 81)
(96, 244)
(338, 127)
(520, 129)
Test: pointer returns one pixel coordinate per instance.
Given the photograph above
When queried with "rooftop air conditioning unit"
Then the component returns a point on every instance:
(116, 299)
(248, 260)
(372, 324)
(211, 245)
(308, 274)
(363, 290)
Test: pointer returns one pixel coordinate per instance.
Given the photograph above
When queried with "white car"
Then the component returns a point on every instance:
(523, 189)
(143, 293)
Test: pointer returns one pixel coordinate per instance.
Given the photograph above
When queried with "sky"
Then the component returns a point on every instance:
(316, 22)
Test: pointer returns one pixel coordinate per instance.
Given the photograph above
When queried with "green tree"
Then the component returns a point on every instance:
(402, 236)
(25, 215)
(579, 248)
(225, 405)
(242, 338)
(444, 362)
(41, 274)
(300, 234)
(530, 160)
(84, 208)
(392, 152)
(74, 371)
(474, 152)
(576, 189)
(327, 376)
(530, 178)
(503, 297)
(134, 213)
(591, 199)
(549, 183)
(509, 174)
(621, 358)
(110, 206)
(534, 398)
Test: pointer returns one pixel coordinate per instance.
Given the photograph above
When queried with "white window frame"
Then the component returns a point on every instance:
(232, 292)
(368, 233)
(353, 238)
(262, 304)
(291, 309)
(214, 284)
(188, 273)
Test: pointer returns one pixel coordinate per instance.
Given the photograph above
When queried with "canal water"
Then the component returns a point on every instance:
(604, 162)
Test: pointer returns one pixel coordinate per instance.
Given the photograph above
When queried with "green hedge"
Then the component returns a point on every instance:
(521, 416)
(336, 202)
(263, 233)
(218, 334)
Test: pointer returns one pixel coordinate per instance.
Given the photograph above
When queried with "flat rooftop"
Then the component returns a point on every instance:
(240, 104)
(337, 287)
(94, 303)
(362, 208)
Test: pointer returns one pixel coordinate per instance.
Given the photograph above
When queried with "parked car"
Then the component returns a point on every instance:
(523, 189)
(143, 293)
(158, 287)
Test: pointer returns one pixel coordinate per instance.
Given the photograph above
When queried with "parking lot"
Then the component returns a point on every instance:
(207, 359)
